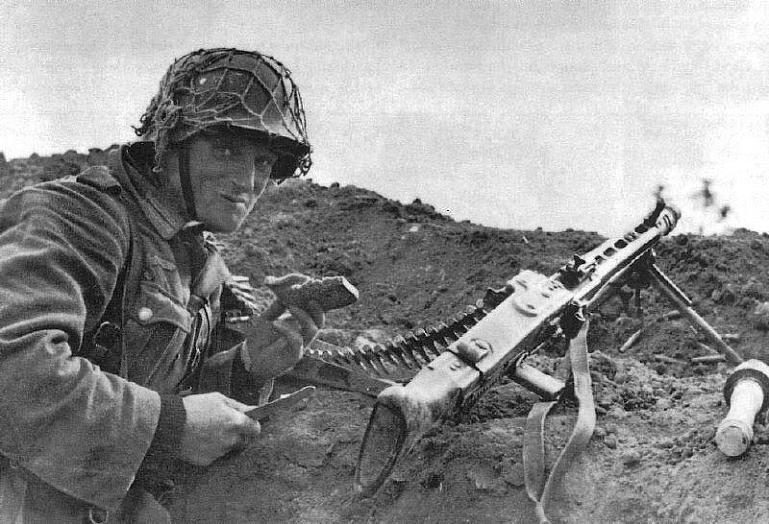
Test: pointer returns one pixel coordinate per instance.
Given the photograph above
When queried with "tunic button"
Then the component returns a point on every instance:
(145, 314)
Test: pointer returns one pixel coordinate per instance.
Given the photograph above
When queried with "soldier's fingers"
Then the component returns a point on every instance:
(246, 435)
(286, 280)
(290, 335)
(239, 406)
(307, 324)
(251, 428)
(316, 312)
(247, 297)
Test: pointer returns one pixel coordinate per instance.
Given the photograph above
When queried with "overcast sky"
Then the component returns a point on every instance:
(511, 114)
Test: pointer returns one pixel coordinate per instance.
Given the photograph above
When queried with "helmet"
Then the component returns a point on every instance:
(233, 88)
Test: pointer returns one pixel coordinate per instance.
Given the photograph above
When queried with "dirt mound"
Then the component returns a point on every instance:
(652, 458)
(21, 172)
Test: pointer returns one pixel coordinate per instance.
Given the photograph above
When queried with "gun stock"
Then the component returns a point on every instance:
(537, 308)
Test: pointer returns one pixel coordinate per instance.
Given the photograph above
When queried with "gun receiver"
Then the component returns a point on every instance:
(536, 308)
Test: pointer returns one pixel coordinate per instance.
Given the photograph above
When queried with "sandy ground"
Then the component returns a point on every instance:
(648, 465)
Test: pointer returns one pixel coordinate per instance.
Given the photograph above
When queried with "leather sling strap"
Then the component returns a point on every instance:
(110, 349)
(130, 275)
(539, 488)
(186, 180)
(129, 284)
(210, 278)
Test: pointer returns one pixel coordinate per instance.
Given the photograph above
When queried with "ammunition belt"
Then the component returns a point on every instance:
(414, 350)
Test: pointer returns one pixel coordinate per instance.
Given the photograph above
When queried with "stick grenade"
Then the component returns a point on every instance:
(328, 292)
(747, 394)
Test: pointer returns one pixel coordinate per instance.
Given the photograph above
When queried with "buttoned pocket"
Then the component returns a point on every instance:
(156, 328)
(154, 305)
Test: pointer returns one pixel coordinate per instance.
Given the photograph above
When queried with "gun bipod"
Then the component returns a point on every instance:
(684, 305)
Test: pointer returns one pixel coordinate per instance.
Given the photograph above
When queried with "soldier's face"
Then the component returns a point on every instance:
(228, 172)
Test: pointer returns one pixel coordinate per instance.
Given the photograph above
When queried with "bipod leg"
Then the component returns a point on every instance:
(684, 305)
(625, 296)
(638, 307)
(542, 384)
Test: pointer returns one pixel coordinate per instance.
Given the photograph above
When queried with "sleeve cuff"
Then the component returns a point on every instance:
(168, 435)
(158, 462)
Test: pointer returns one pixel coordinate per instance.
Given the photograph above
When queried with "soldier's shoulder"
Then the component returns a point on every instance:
(99, 177)
(95, 192)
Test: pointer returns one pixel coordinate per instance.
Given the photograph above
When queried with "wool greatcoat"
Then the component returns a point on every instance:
(78, 426)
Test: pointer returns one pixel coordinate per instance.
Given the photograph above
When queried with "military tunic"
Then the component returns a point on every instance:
(73, 424)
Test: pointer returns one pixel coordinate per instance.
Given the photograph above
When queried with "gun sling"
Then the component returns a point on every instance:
(539, 489)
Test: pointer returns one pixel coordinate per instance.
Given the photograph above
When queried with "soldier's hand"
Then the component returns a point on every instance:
(274, 347)
(215, 425)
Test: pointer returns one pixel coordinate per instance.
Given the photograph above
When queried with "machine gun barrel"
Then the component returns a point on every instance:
(498, 343)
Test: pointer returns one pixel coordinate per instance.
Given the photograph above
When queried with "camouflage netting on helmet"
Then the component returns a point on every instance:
(234, 88)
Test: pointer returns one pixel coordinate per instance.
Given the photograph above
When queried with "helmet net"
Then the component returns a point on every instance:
(233, 88)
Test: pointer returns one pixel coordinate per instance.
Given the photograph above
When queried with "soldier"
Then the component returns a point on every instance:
(113, 360)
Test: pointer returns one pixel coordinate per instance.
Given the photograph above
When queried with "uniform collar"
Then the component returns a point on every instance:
(134, 169)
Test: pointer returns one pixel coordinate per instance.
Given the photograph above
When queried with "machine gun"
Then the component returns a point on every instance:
(460, 360)
(457, 362)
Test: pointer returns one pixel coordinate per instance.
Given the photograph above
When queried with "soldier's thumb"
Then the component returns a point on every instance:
(251, 428)
(290, 279)
(239, 406)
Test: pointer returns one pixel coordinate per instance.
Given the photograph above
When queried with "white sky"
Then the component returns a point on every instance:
(511, 114)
